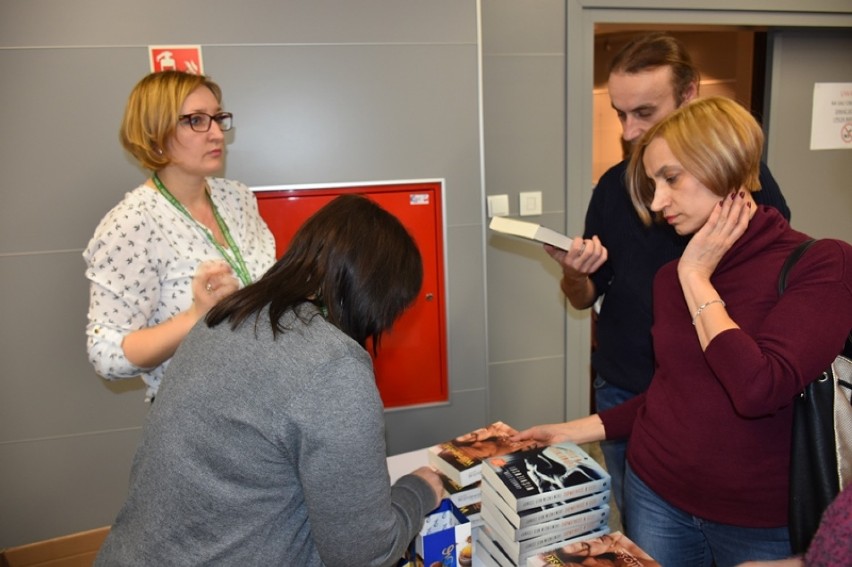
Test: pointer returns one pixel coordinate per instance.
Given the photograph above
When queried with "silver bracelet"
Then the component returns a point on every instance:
(703, 306)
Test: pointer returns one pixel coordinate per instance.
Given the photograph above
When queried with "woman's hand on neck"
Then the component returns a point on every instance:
(728, 221)
(752, 207)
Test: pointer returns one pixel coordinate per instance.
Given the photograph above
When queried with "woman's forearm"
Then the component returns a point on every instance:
(706, 307)
(152, 346)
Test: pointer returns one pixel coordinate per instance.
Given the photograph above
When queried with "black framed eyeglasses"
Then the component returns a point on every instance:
(201, 121)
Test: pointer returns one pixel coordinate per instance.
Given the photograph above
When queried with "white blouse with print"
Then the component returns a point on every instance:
(141, 261)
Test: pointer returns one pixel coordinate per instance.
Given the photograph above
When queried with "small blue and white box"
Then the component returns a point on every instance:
(445, 538)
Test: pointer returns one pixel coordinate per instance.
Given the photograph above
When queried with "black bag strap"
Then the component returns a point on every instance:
(813, 483)
(790, 262)
(782, 285)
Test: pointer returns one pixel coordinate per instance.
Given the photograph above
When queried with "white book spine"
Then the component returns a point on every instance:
(567, 523)
(550, 512)
(541, 499)
(467, 497)
(564, 525)
(521, 549)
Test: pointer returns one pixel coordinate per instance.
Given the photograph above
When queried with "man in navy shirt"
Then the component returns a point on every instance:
(617, 257)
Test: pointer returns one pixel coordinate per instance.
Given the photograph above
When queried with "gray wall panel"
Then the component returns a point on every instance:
(343, 113)
(509, 26)
(532, 391)
(124, 22)
(49, 388)
(65, 167)
(467, 334)
(63, 485)
(524, 128)
(524, 101)
(529, 322)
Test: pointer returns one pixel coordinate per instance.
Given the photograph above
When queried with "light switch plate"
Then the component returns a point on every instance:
(529, 203)
(498, 205)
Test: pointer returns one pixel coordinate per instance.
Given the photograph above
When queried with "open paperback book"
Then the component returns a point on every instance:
(530, 231)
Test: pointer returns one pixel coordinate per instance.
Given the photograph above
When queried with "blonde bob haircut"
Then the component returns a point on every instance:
(151, 114)
(715, 139)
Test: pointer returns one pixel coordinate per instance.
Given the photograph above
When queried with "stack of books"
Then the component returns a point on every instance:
(459, 461)
(539, 499)
(468, 499)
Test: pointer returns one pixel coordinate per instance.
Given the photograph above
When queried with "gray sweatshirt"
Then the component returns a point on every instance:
(266, 452)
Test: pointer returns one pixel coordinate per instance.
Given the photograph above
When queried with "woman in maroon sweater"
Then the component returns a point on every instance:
(709, 442)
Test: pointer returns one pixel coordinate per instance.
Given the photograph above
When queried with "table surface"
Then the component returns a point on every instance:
(404, 463)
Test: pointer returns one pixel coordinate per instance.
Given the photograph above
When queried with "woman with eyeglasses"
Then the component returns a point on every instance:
(179, 242)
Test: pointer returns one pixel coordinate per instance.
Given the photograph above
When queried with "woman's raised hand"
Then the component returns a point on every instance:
(727, 223)
(213, 281)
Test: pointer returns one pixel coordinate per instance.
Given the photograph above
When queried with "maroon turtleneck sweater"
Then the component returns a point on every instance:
(712, 433)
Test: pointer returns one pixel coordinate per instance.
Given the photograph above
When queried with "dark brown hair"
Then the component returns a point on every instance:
(351, 257)
(658, 50)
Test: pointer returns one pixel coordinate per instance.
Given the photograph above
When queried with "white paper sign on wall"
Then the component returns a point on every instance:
(831, 122)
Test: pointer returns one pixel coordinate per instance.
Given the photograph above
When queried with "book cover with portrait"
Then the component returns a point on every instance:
(612, 550)
(460, 459)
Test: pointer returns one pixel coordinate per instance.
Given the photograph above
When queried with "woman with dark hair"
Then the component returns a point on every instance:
(266, 444)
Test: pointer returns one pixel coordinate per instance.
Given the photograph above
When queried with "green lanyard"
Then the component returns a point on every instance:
(237, 262)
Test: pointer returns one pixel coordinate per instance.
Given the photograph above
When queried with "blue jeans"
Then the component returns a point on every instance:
(677, 539)
(615, 452)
